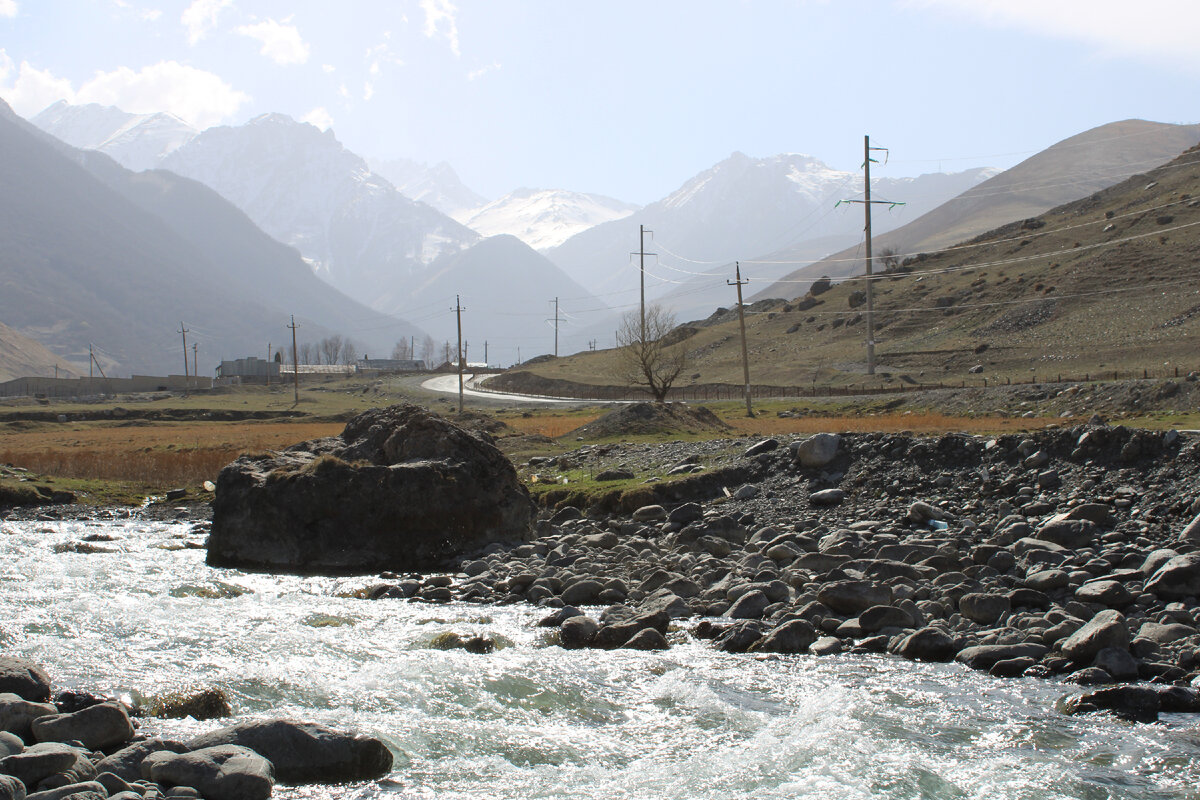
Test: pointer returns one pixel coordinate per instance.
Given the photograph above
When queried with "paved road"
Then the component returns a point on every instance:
(448, 384)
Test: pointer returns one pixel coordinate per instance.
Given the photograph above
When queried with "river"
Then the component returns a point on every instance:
(534, 721)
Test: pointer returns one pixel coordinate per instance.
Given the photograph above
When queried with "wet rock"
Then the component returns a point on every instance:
(985, 656)
(1106, 629)
(647, 639)
(97, 727)
(793, 636)
(1118, 663)
(220, 772)
(306, 752)
(739, 637)
(928, 644)
(1133, 703)
(1011, 667)
(399, 489)
(583, 592)
(826, 646)
(578, 632)
(25, 679)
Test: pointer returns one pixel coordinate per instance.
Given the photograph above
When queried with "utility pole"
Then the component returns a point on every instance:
(268, 370)
(641, 254)
(184, 332)
(866, 203)
(485, 359)
(91, 358)
(195, 374)
(556, 320)
(295, 362)
(458, 309)
(742, 321)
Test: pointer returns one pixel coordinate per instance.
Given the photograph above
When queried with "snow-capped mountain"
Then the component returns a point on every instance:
(304, 188)
(438, 186)
(739, 209)
(544, 218)
(135, 141)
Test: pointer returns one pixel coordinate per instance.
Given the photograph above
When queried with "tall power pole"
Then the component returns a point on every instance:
(458, 309)
(268, 363)
(556, 320)
(866, 203)
(295, 362)
(184, 331)
(195, 374)
(641, 254)
(742, 321)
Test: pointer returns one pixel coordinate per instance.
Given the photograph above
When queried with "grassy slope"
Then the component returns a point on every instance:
(1070, 297)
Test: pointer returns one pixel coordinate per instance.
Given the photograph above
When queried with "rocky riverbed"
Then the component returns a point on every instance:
(1070, 552)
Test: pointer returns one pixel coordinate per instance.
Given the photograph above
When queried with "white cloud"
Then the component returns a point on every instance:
(368, 91)
(344, 91)
(328, 68)
(440, 18)
(1157, 30)
(281, 41)
(30, 89)
(8, 8)
(201, 17)
(318, 117)
(479, 73)
(152, 14)
(382, 54)
(198, 97)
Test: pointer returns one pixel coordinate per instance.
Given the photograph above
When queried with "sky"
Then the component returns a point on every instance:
(626, 98)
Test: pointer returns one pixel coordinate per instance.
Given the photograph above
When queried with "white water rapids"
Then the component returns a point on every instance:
(535, 721)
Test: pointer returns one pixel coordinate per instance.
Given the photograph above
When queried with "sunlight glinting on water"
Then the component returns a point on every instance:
(534, 721)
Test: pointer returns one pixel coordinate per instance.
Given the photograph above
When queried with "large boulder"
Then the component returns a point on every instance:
(1106, 629)
(816, 451)
(25, 679)
(305, 752)
(126, 762)
(17, 714)
(1177, 579)
(56, 763)
(223, 772)
(97, 727)
(399, 489)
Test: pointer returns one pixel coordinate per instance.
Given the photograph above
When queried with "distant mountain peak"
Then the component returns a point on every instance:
(544, 218)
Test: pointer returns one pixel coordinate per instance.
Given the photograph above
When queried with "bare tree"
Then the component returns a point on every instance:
(349, 352)
(307, 353)
(428, 348)
(650, 356)
(331, 348)
(403, 350)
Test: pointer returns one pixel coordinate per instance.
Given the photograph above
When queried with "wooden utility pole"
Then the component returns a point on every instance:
(556, 320)
(295, 362)
(458, 309)
(866, 202)
(91, 358)
(184, 332)
(641, 254)
(268, 364)
(195, 374)
(485, 358)
(742, 321)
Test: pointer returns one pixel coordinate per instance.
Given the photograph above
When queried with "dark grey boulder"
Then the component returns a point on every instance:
(740, 636)
(749, 606)
(49, 760)
(793, 636)
(97, 727)
(647, 639)
(17, 714)
(984, 608)
(1069, 533)
(399, 489)
(985, 656)
(1106, 629)
(578, 631)
(827, 497)
(854, 597)
(86, 790)
(126, 762)
(1118, 663)
(877, 618)
(10, 744)
(1134, 703)
(816, 451)
(220, 772)
(1108, 593)
(11, 788)
(1177, 579)
(928, 644)
(1165, 633)
(24, 679)
(582, 592)
(1011, 667)
(1047, 580)
(764, 446)
(306, 752)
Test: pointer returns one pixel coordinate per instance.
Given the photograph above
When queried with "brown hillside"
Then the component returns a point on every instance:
(1073, 168)
(1109, 282)
(22, 357)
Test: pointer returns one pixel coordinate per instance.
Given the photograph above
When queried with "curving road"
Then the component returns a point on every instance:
(448, 384)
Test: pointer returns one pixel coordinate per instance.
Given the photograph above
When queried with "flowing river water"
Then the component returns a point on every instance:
(532, 720)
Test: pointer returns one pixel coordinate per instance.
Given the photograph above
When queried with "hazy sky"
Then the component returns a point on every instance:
(625, 98)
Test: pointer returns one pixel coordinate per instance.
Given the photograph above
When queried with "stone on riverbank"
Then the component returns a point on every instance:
(97, 727)
(399, 489)
(222, 772)
(25, 679)
(305, 752)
